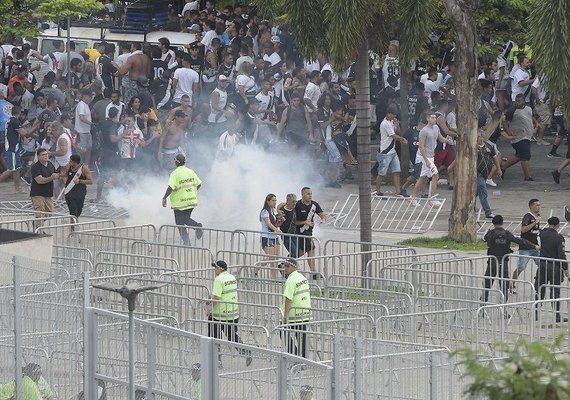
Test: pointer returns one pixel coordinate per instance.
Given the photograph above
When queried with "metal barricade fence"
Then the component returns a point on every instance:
(333, 246)
(391, 214)
(265, 315)
(510, 223)
(186, 256)
(212, 239)
(165, 357)
(269, 270)
(357, 281)
(244, 258)
(449, 328)
(288, 241)
(96, 243)
(61, 232)
(28, 224)
(113, 268)
(146, 232)
(396, 302)
(531, 320)
(374, 266)
(139, 259)
(72, 252)
(254, 335)
(204, 277)
(374, 310)
(67, 268)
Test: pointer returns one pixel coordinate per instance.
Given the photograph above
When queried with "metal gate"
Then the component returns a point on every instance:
(390, 214)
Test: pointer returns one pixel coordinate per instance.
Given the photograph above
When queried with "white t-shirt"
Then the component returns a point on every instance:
(311, 66)
(128, 145)
(274, 58)
(82, 109)
(226, 145)
(122, 59)
(241, 60)
(171, 57)
(207, 39)
(539, 89)
(120, 107)
(391, 68)
(519, 76)
(247, 82)
(53, 63)
(186, 78)
(64, 159)
(313, 93)
(451, 120)
(265, 103)
(387, 132)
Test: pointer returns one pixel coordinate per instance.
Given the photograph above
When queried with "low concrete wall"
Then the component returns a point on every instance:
(32, 251)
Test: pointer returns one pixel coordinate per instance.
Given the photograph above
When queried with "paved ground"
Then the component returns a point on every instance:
(510, 198)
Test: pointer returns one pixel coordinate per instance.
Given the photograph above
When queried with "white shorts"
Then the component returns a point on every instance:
(425, 170)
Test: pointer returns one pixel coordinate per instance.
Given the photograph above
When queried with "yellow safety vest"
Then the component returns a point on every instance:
(225, 287)
(184, 184)
(298, 291)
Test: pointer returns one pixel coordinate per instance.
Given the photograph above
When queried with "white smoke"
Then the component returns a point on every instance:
(232, 192)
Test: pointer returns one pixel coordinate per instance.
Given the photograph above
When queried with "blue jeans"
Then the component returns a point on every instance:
(523, 261)
(482, 193)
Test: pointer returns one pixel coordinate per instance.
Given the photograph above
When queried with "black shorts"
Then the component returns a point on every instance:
(75, 205)
(266, 242)
(306, 245)
(300, 141)
(522, 149)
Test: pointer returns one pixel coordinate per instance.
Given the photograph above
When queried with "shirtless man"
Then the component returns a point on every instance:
(186, 108)
(138, 64)
(171, 141)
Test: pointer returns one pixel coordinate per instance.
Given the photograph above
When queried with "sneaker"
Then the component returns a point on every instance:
(435, 203)
(26, 180)
(556, 176)
(553, 155)
(199, 232)
(491, 182)
(404, 193)
(490, 216)
(543, 142)
(529, 179)
(533, 139)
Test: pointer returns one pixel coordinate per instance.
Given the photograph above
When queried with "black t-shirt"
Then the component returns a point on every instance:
(78, 191)
(45, 189)
(306, 211)
(532, 235)
(413, 137)
(45, 118)
(107, 69)
(157, 69)
(197, 64)
(417, 103)
(108, 149)
(12, 136)
(288, 225)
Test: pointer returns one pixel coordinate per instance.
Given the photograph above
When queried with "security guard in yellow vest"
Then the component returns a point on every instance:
(183, 185)
(225, 311)
(296, 307)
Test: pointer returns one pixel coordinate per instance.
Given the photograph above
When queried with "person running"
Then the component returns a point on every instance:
(78, 176)
(427, 141)
(14, 133)
(530, 229)
(183, 186)
(486, 159)
(520, 127)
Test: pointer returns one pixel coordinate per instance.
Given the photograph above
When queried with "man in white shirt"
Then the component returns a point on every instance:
(271, 56)
(185, 81)
(124, 53)
(115, 103)
(191, 5)
(209, 34)
(244, 56)
(53, 58)
(311, 97)
(168, 55)
(521, 81)
(83, 126)
(387, 157)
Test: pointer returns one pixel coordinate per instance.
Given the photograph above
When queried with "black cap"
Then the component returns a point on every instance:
(498, 220)
(291, 262)
(180, 159)
(553, 221)
(220, 264)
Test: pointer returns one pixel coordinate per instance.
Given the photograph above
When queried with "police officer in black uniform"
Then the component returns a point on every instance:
(550, 272)
(499, 244)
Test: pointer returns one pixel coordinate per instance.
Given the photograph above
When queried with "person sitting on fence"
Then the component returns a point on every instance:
(499, 244)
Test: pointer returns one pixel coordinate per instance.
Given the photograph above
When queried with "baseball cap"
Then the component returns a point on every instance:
(277, 77)
(222, 78)
(553, 221)
(180, 158)
(220, 264)
(275, 39)
(195, 28)
(291, 262)
(194, 45)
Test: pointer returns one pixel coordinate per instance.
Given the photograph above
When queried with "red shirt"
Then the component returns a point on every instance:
(13, 80)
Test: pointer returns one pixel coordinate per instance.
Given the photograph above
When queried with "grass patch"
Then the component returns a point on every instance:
(444, 243)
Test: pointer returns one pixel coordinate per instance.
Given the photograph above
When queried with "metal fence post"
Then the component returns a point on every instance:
(209, 369)
(282, 378)
(432, 376)
(89, 354)
(17, 329)
(151, 361)
(358, 387)
(336, 380)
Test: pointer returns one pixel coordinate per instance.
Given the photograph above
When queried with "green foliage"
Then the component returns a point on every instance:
(444, 243)
(549, 37)
(307, 23)
(530, 371)
(57, 9)
(414, 23)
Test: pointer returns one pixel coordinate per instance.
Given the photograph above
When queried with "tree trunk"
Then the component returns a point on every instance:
(462, 222)
(363, 147)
